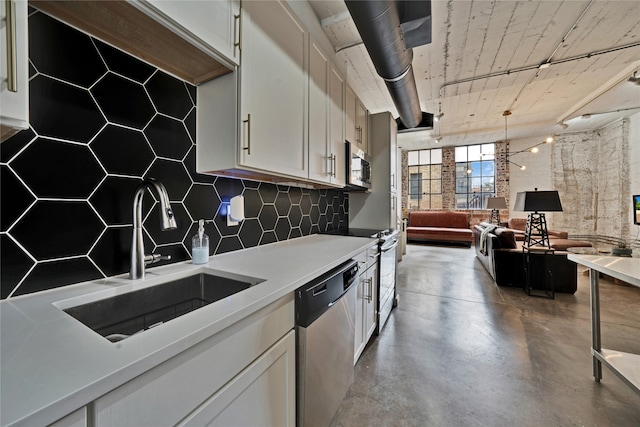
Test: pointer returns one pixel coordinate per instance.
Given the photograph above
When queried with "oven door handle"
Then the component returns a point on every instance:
(392, 246)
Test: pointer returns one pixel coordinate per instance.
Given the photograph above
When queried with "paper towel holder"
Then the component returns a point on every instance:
(235, 213)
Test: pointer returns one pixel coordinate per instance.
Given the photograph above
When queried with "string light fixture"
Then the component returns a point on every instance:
(533, 149)
(440, 114)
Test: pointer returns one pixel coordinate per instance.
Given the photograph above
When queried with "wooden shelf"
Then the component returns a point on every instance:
(123, 25)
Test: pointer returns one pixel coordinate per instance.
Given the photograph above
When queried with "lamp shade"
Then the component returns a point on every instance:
(533, 201)
(496, 203)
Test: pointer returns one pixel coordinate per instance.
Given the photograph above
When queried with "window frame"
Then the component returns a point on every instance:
(480, 160)
(418, 181)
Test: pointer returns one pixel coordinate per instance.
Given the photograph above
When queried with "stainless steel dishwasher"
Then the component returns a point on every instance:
(325, 334)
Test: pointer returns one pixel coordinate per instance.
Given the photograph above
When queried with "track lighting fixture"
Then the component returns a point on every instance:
(635, 79)
(563, 125)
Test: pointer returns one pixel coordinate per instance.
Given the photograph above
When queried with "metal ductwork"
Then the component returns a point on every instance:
(379, 25)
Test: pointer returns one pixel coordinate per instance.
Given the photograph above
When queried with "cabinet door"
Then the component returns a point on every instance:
(75, 419)
(336, 128)
(361, 127)
(372, 298)
(319, 157)
(216, 23)
(14, 91)
(350, 115)
(360, 316)
(263, 394)
(366, 301)
(273, 89)
(393, 154)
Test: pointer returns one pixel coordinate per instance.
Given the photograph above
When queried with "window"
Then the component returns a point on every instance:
(475, 175)
(425, 179)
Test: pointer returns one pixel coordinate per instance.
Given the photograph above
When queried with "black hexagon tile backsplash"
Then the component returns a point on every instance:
(101, 120)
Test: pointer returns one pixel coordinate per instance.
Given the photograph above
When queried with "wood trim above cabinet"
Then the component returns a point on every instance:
(125, 26)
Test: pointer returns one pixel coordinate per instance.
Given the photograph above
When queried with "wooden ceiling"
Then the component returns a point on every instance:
(486, 57)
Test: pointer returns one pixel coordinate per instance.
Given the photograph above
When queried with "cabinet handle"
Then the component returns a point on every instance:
(369, 296)
(359, 134)
(248, 122)
(333, 165)
(237, 22)
(12, 62)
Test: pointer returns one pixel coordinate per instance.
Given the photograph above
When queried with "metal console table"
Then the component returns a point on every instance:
(545, 252)
(624, 365)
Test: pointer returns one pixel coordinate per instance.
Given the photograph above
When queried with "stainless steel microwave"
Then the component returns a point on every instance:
(358, 169)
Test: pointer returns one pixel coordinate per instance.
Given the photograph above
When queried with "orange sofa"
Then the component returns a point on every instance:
(440, 226)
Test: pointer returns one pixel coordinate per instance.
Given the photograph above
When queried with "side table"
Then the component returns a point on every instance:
(548, 290)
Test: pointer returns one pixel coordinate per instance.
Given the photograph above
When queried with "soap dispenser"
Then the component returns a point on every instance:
(200, 245)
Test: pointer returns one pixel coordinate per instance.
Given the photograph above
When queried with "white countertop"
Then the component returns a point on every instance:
(51, 364)
(625, 269)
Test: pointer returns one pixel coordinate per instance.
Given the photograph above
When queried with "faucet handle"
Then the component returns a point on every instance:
(153, 258)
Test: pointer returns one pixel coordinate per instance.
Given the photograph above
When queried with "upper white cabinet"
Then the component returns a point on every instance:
(350, 115)
(273, 83)
(336, 127)
(14, 75)
(326, 119)
(267, 139)
(362, 130)
(356, 121)
(379, 209)
(215, 23)
(280, 117)
(320, 157)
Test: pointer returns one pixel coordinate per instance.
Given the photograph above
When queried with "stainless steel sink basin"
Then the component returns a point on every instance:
(121, 316)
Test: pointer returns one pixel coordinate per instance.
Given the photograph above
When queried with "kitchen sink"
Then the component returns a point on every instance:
(122, 316)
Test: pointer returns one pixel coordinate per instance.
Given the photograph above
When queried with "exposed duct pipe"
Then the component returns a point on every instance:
(378, 23)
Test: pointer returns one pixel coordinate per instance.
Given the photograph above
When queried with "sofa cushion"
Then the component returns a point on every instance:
(507, 238)
(440, 233)
(517, 223)
(439, 219)
(564, 244)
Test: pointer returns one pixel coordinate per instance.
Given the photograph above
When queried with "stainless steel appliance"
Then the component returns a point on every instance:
(358, 169)
(325, 334)
(387, 297)
(387, 246)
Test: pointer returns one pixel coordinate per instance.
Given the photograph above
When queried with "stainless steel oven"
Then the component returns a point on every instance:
(358, 169)
(387, 279)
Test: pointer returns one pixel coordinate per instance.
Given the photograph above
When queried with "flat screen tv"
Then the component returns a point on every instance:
(636, 209)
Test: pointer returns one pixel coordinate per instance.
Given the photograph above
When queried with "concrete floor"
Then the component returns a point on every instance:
(460, 351)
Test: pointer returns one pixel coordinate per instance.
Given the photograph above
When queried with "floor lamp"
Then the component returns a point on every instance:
(536, 232)
(495, 203)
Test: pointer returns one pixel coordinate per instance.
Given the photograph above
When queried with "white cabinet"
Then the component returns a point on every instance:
(215, 23)
(326, 120)
(14, 75)
(362, 129)
(336, 127)
(268, 138)
(267, 387)
(75, 419)
(379, 209)
(366, 300)
(207, 375)
(350, 115)
(320, 160)
(356, 121)
(273, 84)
